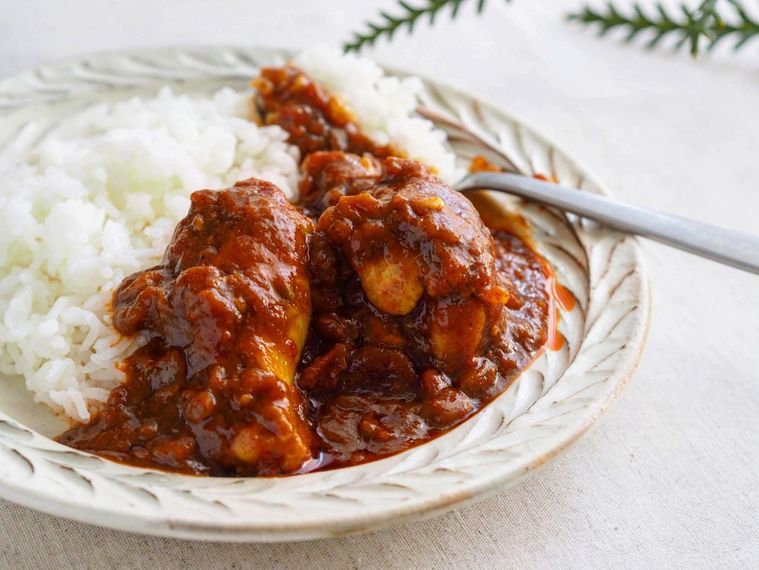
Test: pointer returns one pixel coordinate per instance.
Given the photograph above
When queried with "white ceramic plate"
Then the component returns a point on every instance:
(557, 399)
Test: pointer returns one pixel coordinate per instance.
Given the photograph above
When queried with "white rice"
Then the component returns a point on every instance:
(99, 198)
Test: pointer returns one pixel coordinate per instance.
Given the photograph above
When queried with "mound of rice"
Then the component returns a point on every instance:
(99, 198)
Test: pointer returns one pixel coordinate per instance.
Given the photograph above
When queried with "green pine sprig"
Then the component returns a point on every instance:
(705, 25)
(407, 18)
(743, 27)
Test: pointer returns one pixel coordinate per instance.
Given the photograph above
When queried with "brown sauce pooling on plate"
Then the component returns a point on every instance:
(374, 315)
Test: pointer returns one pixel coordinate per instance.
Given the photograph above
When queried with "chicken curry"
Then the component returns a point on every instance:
(373, 315)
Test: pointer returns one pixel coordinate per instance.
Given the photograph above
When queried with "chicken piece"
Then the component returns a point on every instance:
(314, 119)
(411, 238)
(230, 309)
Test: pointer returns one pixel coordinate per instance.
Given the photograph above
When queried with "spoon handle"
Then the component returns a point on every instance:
(725, 246)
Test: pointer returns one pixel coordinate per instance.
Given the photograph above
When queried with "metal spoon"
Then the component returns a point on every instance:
(725, 246)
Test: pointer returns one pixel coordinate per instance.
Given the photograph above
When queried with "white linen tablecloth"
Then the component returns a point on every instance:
(669, 479)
